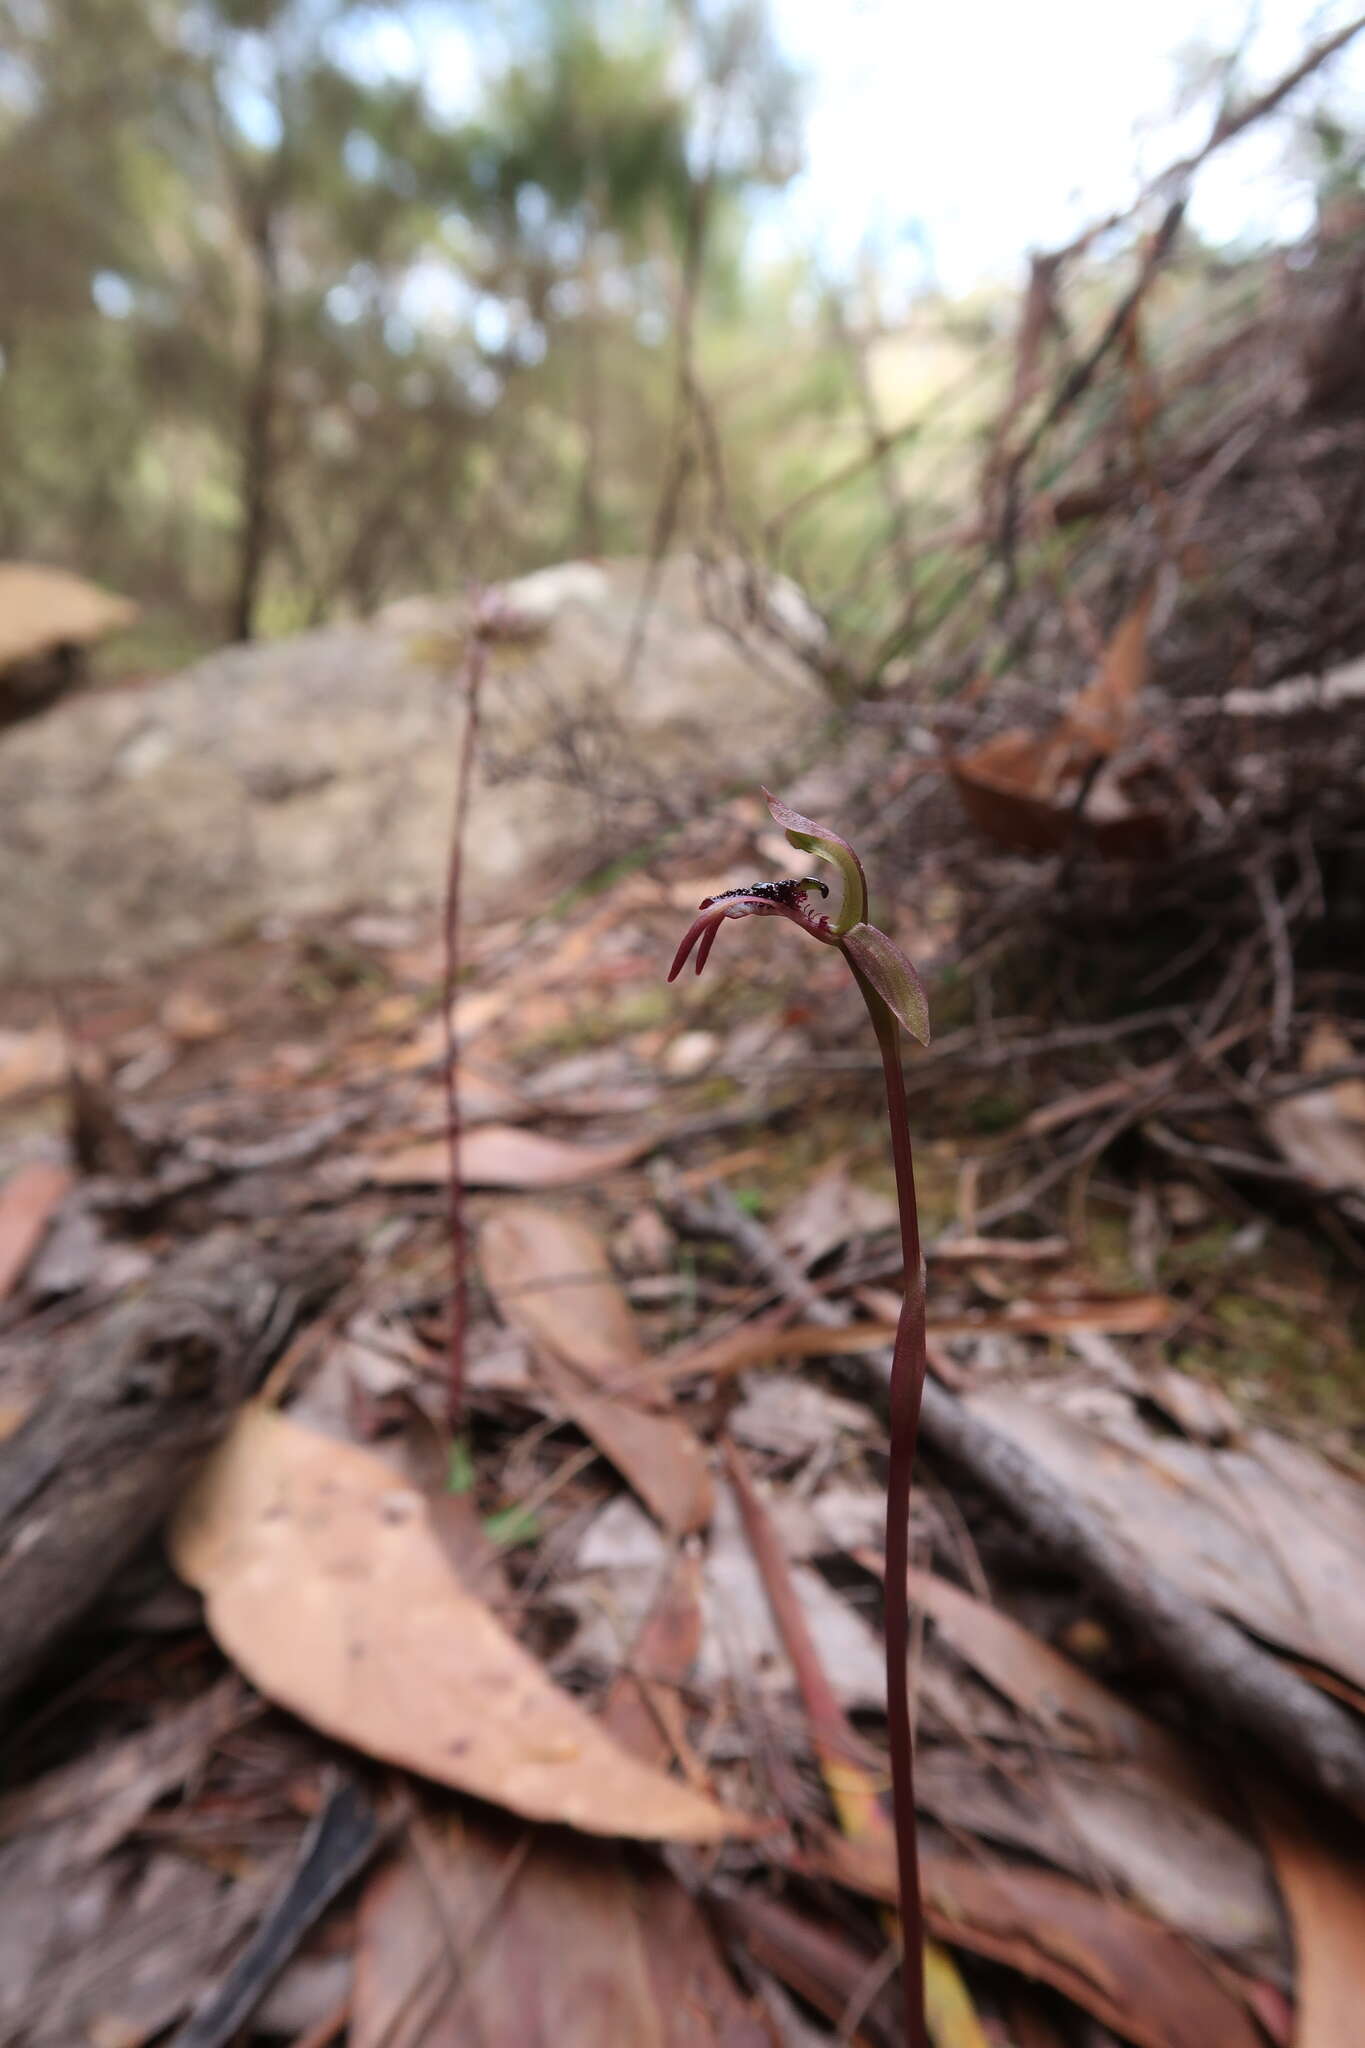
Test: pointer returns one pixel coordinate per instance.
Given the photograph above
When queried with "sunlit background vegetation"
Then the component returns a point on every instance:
(307, 304)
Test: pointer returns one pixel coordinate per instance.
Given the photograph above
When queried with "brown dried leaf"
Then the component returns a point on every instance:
(550, 1277)
(31, 1060)
(28, 1201)
(1026, 791)
(552, 1280)
(693, 1989)
(642, 1709)
(1022, 792)
(1324, 1889)
(501, 1156)
(484, 1936)
(326, 1584)
(658, 1455)
(1141, 1979)
(1102, 714)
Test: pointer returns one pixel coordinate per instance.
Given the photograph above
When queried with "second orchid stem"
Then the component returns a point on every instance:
(908, 1366)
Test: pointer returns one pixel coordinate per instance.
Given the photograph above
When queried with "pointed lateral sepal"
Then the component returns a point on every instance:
(892, 975)
(826, 844)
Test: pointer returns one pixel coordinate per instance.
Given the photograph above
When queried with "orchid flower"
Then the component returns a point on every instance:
(894, 996)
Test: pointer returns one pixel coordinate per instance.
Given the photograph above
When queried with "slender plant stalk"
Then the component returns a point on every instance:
(472, 670)
(895, 1000)
(908, 1365)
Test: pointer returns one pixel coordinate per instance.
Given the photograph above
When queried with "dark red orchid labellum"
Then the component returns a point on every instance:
(752, 899)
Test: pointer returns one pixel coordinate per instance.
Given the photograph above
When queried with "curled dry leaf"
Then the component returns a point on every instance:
(553, 1281)
(550, 1277)
(325, 1582)
(1033, 791)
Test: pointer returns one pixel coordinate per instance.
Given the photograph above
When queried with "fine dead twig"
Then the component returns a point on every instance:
(490, 620)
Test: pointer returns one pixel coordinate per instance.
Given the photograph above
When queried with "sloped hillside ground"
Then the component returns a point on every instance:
(332, 1719)
(329, 1724)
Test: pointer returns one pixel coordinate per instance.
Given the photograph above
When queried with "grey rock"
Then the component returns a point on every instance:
(305, 777)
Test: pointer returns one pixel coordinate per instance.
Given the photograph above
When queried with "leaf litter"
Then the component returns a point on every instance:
(618, 1676)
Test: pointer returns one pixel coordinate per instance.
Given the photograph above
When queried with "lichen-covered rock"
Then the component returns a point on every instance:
(301, 777)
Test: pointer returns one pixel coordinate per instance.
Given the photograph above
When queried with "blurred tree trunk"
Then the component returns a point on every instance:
(589, 481)
(258, 425)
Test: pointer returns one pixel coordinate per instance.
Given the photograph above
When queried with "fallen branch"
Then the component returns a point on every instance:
(145, 1391)
(341, 1841)
(1242, 1686)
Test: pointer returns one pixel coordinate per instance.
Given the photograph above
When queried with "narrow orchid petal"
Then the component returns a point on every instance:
(715, 910)
(826, 844)
(709, 920)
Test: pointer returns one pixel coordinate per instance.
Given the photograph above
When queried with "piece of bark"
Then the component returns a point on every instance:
(340, 1843)
(1243, 1686)
(143, 1392)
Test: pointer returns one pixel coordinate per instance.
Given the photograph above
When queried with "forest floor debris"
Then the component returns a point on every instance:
(674, 1459)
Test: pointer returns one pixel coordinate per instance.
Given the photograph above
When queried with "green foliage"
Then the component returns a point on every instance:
(283, 336)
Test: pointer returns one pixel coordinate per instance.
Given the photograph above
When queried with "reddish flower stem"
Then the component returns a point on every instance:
(473, 668)
(909, 1363)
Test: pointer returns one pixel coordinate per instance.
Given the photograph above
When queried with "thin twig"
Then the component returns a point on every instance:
(473, 670)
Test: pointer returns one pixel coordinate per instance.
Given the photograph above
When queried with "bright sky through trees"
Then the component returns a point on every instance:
(948, 137)
(995, 127)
